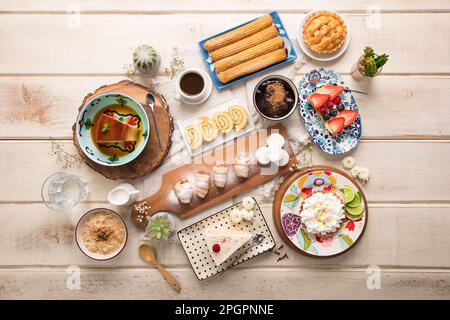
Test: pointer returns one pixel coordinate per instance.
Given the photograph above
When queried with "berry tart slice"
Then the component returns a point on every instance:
(328, 104)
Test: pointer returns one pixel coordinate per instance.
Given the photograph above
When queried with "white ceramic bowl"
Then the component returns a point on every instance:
(79, 240)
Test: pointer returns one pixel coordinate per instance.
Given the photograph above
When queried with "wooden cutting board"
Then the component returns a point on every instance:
(152, 156)
(165, 198)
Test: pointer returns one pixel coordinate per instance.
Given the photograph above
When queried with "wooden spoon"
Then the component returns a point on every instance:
(148, 254)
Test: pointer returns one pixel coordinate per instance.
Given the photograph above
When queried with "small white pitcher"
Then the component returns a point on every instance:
(123, 195)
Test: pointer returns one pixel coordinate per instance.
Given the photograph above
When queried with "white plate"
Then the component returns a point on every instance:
(221, 138)
(322, 56)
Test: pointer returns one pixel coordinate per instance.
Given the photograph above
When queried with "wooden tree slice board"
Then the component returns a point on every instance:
(152, 156)
(165, 198)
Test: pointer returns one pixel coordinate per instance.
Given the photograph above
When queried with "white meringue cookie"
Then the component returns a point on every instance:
(235, 215)
(248, 203)
(275, 140)
(261, 156)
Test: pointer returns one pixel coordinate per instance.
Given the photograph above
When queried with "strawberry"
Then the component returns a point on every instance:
(349, 116)
(317, 100)
(337, 100)
(332, 91)
(336, 125)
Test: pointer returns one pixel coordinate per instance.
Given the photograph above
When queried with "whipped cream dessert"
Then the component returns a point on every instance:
(322, 213)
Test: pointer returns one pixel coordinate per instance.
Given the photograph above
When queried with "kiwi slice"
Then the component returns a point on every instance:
(355, 202)
(349, 194)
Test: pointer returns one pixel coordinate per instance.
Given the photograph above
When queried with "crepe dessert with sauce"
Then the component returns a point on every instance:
(329, 106)
(112, 130)
(224, 243)
(252, 47)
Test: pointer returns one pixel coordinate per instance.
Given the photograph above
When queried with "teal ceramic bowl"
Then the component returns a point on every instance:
(123, 108)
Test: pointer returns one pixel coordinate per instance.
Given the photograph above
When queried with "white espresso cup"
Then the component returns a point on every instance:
(197, 96)
(123, 195)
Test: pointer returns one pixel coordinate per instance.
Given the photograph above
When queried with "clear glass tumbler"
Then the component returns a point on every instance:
(62, 191)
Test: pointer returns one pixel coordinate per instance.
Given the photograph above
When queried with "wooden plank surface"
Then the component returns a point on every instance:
(409, 170)
(406, 141)
(47, 105)
(396, 236)
(232, 6)
(80, 51)
(147, 283)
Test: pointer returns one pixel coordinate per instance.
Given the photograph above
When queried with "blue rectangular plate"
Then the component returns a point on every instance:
(292, 55)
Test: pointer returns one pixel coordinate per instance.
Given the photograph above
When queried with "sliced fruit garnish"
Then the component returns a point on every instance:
(332, 91)
(356, 211)
(349, 194)
(349, 116)
(355, 202)
(336, 125)
(318, 100)
(352, 217)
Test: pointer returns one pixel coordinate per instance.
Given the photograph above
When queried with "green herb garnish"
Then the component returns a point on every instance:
(105, 127)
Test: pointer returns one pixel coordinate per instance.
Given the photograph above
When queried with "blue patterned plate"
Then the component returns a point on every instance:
(123, 108)
(349, 137)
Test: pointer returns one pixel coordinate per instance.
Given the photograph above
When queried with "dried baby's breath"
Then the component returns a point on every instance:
(130, 70)
(67, 159)
(176, 64)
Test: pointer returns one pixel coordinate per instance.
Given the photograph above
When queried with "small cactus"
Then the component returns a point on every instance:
(145, 58)
(159, 228)
(371, 62)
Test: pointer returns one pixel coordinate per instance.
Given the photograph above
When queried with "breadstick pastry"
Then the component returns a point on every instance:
(248, 54)
(253, 65)
(245, 43)
(238, 33)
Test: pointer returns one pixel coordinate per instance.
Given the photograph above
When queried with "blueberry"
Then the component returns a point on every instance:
(326, 116)
(333, 112)
(340, 107)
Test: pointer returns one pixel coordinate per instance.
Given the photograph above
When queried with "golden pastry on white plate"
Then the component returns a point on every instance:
(324, 32)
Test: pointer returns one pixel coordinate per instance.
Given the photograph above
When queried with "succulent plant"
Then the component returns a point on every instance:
(145, 58)
(159, 228)
(371, 62)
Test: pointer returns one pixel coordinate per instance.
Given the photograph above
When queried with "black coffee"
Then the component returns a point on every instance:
(192, 83)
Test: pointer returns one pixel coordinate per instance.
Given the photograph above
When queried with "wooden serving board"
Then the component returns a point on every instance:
(165, 198)
(152, 156)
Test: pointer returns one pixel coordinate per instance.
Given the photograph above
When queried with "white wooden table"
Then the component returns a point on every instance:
(48, 64)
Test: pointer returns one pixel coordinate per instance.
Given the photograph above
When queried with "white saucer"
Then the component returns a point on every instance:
(322, 56)
(206, 94)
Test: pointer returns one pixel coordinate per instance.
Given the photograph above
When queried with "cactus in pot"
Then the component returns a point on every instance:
(145, 58)
(369, 64)
(159, 227)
